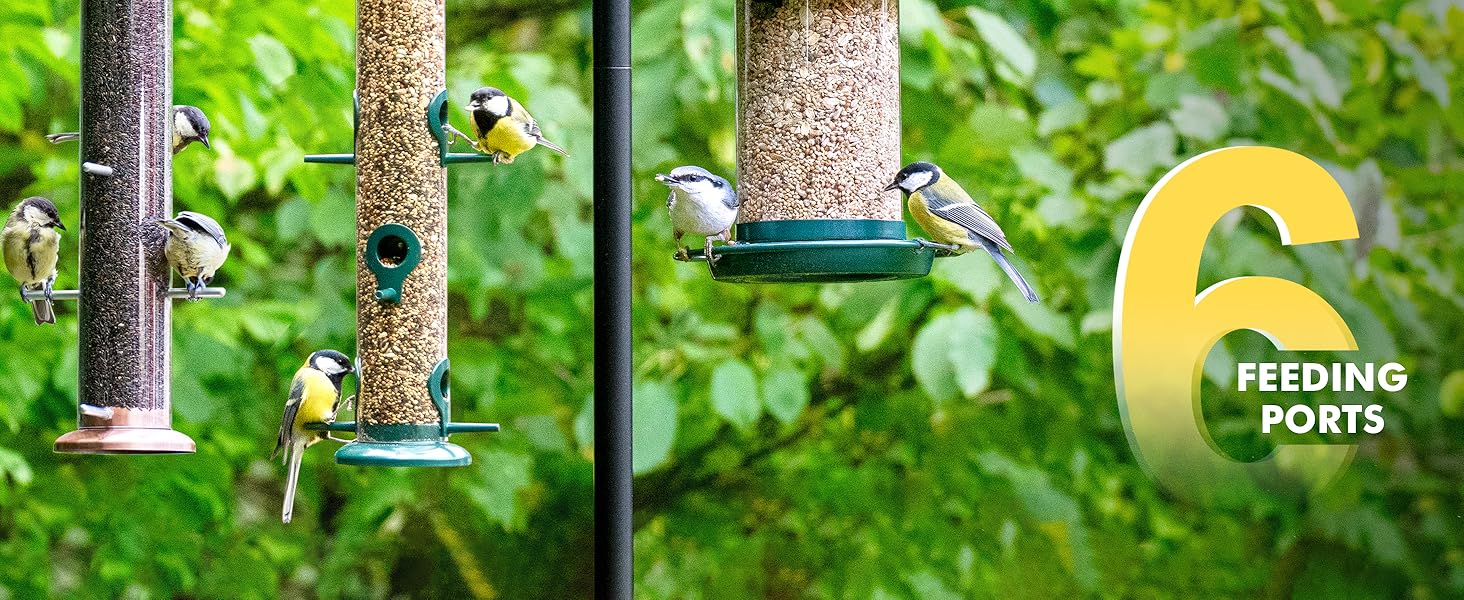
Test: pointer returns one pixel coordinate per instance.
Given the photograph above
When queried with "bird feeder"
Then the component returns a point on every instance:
(124, 302)
(818, 139)
(403, 406)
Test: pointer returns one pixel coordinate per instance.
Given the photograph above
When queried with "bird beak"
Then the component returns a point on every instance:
(204, 139)
(666, 179)
(892, 185)
(472, 106)
(58, 225)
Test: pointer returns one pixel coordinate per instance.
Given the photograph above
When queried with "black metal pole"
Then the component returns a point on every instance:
(613, 437)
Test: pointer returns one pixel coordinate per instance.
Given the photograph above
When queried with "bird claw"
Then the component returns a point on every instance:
(924, 243)
(683, 254)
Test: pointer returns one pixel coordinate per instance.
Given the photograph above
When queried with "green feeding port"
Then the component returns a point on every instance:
(392, 251)
(409, 445)
(436, 124)
(342, 159)
(822, 251)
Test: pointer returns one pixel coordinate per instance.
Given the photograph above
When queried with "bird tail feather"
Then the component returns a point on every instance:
(1011, 270)
(61, 138)
(172, 225)
(293, 455)
(44, 311)
(552, 146)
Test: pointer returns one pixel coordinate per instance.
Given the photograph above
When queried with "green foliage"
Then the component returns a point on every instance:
(936, 438)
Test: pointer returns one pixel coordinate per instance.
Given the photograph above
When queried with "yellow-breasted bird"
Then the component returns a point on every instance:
(502, 127)
(31, 246)
(315, 393)
(950, 216)
(196, 247)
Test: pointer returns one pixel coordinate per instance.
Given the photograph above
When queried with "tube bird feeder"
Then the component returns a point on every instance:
(403, 406)
(124, 303)
(818, 138)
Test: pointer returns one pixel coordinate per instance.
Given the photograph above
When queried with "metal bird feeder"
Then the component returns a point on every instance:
(403, 408)
(818, 138)
(124, 302)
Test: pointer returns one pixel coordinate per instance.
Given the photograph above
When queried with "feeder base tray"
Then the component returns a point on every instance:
(821, 251)
(403, 454)
(124, 440)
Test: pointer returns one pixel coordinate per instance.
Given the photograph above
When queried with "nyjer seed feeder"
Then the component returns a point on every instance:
(818, 139)
(124, 302)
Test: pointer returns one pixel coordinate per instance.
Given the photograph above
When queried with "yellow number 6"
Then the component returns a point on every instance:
(1162, 331)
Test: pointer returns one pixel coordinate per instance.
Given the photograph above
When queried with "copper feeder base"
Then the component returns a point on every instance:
(123, 431)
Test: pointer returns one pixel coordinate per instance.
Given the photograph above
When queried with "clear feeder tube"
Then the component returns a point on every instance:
(818, 119)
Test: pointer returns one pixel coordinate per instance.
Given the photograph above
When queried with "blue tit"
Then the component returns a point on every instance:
(950, 216)
(196, 247)
(31, 245)
(700, 204)
(502, 127)
(315, 393)
(189, 125)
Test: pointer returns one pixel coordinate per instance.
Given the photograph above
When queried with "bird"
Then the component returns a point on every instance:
(700, 204)
(189, 125)
(502, 127)
(31, 245)
(950, 216)
(315, 393)
(196, 247)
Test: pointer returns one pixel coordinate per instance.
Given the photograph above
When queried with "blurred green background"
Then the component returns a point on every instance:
(785, 448)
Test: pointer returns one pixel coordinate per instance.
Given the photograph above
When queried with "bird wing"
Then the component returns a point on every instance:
(203, 224)
(531, 127)
(671, 201)
(966, 213)
(292, 408)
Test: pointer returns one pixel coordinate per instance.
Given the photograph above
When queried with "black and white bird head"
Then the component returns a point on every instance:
(490, 100)
(37, 212)
(700, 183)
(915, 177)
(334, 364)
(189, 125)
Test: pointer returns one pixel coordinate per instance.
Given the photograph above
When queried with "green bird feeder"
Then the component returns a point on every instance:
(403, 407)
(818, 139)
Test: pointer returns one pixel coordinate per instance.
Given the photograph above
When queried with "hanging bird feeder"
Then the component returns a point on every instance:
(124, 302)
(818, 138)
(403, 407)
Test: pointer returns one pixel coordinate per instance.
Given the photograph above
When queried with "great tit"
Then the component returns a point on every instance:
(700, 204)
(314, 394)
(196, 247)
(502, 127)
(31, 245)
(189, 125)
(950, 216)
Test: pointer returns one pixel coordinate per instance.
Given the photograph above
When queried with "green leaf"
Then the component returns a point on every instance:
(1200, 117)
(1451, 395)
(1309, 69)
(954, 354)
(785, 391)
(1018, 62)
(1139, 152)
(14, 467)
(654, 424)
(498, 477)
(272, 58)
(734, 393)
(235, 175)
